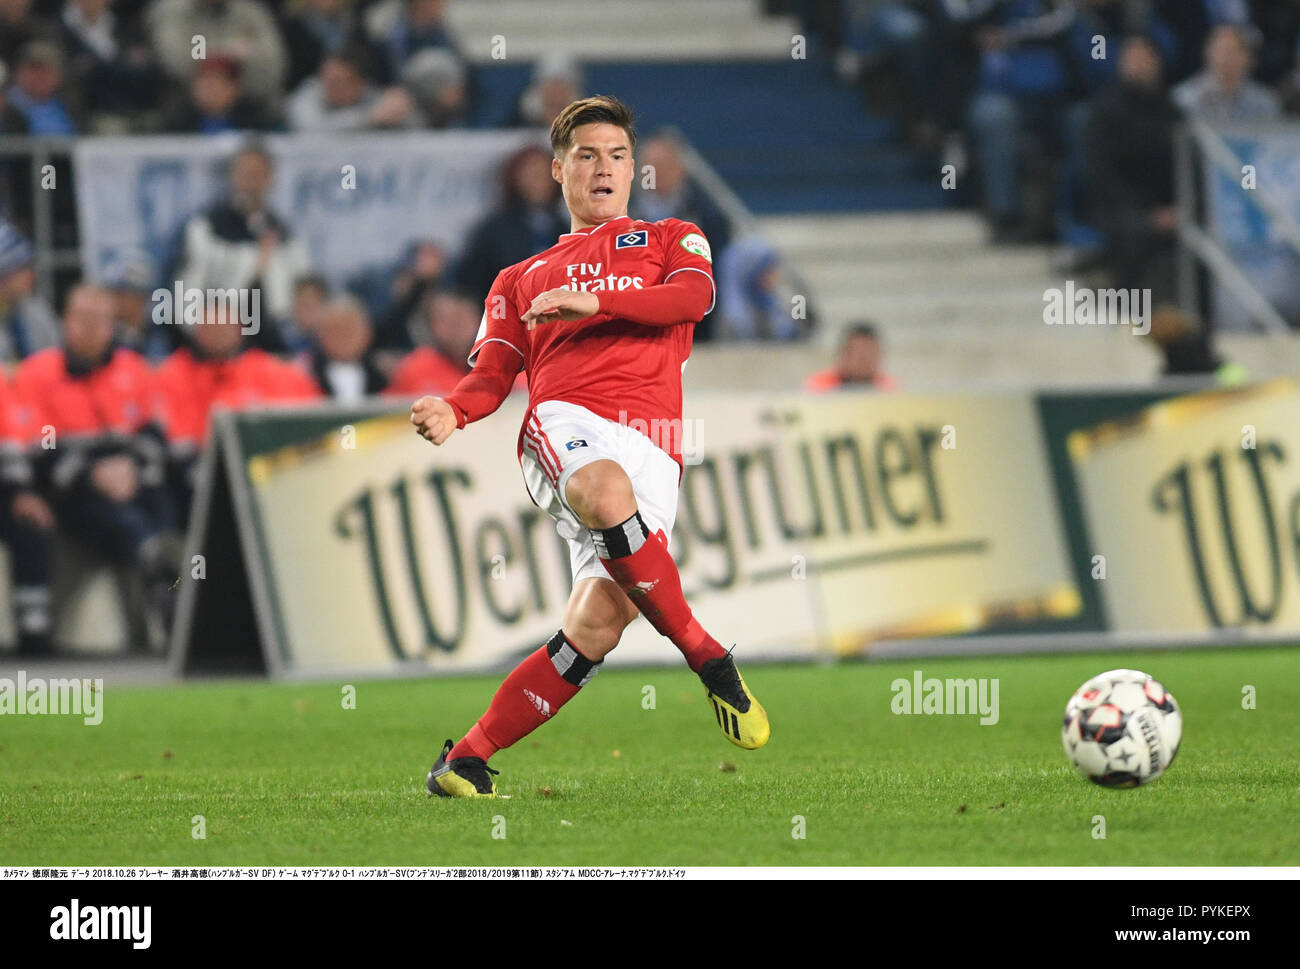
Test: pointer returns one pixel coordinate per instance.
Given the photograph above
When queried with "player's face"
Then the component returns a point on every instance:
(596, 174)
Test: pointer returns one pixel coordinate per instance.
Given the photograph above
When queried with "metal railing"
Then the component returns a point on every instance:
(1198, 144)
(40, 151)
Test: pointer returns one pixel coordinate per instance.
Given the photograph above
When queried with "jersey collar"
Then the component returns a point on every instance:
(596, 228)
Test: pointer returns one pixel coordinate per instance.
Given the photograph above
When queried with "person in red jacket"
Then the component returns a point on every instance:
(101, 459)
(858, 364)
(437, 369)
(219, 368)
(26, 523)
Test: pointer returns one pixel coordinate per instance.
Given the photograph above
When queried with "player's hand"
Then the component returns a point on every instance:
(560, 304)
(433, 418)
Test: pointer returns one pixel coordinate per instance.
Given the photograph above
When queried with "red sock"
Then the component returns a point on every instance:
(650, 578)
(533, 692)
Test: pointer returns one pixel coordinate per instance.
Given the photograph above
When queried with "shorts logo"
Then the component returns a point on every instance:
(576, 442)
(630, 240)
(698, 245)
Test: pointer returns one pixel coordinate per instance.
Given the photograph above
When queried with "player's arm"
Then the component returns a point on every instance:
(497, 357)
(479, 393)
(683, 299)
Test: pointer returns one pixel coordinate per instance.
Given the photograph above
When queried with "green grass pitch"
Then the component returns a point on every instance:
(284, 775)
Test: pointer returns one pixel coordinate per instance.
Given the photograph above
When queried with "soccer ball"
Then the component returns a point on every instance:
(1122, 729)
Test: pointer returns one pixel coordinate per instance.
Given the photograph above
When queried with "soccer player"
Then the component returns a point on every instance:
(602, 324)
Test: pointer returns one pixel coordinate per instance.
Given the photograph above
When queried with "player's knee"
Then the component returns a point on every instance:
(601, 493)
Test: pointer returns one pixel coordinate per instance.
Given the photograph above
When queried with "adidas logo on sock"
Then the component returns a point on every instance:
(542, 706)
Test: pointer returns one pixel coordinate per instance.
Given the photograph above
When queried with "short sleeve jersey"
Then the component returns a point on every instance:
(629, 373)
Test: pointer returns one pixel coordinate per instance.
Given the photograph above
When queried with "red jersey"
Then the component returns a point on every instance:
(629, 373)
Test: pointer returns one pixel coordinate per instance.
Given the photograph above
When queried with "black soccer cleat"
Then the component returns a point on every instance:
(462, 777)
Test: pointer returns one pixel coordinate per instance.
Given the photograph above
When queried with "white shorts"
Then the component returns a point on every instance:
(560, 438)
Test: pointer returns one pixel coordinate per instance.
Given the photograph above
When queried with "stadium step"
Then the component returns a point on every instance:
(667, 30)
(951, 308)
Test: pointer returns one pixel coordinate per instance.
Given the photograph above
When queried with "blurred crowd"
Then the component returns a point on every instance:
(1040, 99)
(206, 67)
(1063, 115)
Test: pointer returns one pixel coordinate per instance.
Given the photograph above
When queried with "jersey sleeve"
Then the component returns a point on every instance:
(500, 323)
(686, 250)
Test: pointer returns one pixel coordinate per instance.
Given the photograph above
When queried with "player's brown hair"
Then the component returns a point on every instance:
(598, 109)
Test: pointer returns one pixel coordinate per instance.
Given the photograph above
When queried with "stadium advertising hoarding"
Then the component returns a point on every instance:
(805, 525)
(804, 522)
(1194, 503)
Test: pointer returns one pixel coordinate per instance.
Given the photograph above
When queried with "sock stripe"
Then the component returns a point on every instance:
(622, 540)
(572, 666)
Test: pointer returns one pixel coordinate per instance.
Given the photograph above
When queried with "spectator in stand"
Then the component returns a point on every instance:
(436, 369)
(130, 278)
(1186, 349)
(857, 366)
(526, 222)
(1130, 143)
(1110, 22)
(109, 61)
(12, 121)
(316, 29)
(1025, 85)
(19, 26)
(238, 242)
(106, 470)
(27, 322)
(400, 299)
(37, 92)
(1223, 93)
(26, 524)
(556, 83)
(241, 29)
(215, 102)
(15, 173)
(309, 295)
(755, 300)
(342, 98)
(667, 191)
(400, 28)
(435, 80)
(342, 363)
(218, 367)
